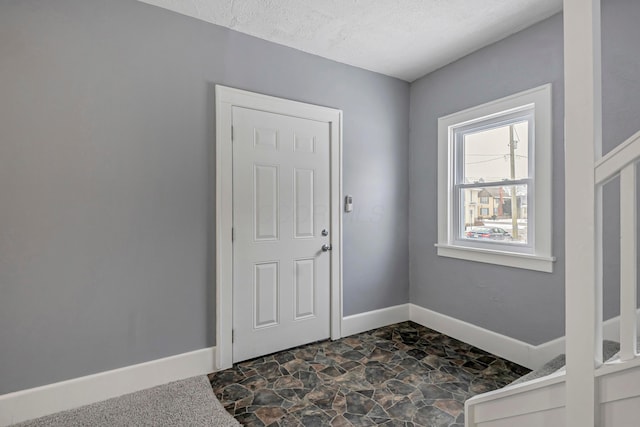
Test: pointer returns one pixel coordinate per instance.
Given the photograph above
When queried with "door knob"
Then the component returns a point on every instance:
(326, 248)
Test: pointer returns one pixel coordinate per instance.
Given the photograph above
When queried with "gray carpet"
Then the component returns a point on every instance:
(189, 402)
(609, 349)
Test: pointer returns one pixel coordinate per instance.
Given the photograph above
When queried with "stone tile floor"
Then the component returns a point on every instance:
(399, 375)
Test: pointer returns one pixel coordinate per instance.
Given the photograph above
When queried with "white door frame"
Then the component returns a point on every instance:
(226, 98)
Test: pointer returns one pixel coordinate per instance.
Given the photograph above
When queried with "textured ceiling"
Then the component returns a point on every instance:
(401, 38)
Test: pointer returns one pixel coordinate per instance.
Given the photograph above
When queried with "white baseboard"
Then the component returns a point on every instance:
(36, 402)
(610, 331)
(511, 349)
(522, 353)
(362, 322)
(493, 342)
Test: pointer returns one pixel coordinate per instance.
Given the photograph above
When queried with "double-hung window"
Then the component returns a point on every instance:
(494, 189)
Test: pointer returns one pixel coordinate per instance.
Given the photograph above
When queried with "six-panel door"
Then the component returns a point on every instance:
(281, 201)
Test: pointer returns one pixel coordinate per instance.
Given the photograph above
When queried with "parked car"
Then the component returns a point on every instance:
(493, 233)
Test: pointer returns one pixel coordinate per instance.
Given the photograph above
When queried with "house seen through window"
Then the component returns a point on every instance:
(494, 182)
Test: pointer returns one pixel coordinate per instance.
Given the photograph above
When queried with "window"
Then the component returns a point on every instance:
(492, 157)
(497, 157)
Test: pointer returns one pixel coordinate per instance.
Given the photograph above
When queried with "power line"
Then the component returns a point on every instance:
(502, 157)
(484, 161)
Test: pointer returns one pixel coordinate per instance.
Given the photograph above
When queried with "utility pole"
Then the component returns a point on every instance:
(514, 197)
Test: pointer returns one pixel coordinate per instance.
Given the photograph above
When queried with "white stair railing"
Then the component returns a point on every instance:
(628, 266)
(622, 162)
(594, 394)
(614, 400)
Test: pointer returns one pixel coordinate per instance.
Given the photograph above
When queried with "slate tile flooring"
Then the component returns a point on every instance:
(399, 375)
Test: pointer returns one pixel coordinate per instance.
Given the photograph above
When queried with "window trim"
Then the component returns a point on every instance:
(540, 258)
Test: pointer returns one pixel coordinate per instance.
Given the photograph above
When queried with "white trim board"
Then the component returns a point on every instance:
(362, 322)
(539, 255)
(36, 402)
(493, 342)
(226, 98)
(522, 353)
(40, 401)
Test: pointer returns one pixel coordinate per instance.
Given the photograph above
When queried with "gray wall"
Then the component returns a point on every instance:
(522, 304)
(620, 68)
(107, 178)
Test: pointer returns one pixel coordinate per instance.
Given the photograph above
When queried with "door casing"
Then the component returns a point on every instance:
(226, 98)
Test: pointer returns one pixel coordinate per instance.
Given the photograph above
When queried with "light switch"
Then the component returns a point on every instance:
(348, 203)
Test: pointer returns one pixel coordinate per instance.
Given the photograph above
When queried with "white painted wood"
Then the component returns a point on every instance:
(336, 224)
(621, 413)
(493, 342)
(525, 354)
(620, 396)
(281, 205)
(551, 418)
(583, 146)
(526, 403)
(226, 99)
(469, 415)
(37, 402)
(489, 256)
(304, 289)
(538, 397)
(617, 159)
(628, 263)
(541, 259)
(518, 389)
(224, 227)
(536, 402)
(616, 365)
(303, 203)
(619, 390)
(263, 292)
(264, 181)
(620, 384)
(362, 322)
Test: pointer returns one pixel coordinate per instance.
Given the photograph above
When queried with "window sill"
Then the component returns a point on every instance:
(489, 256)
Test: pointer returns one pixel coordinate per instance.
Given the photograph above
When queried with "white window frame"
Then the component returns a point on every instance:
(524, 113)
(537, 254)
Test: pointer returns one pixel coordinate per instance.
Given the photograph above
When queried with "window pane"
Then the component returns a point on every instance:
(487, 214)
(489, 158)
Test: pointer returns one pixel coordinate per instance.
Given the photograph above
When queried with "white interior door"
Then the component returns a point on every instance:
(281, 220)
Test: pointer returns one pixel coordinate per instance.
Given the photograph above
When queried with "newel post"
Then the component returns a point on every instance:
(583, 209)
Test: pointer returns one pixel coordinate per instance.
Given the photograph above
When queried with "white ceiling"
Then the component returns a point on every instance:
(401, 38)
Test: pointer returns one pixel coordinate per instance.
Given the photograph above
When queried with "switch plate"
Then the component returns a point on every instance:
(348, 203)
